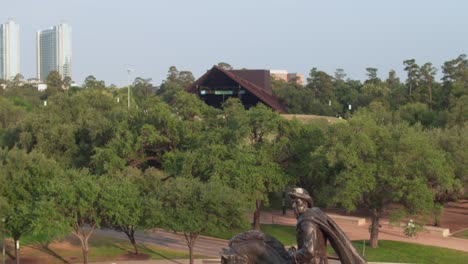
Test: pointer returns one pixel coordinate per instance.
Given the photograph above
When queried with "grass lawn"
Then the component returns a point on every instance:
(102, 248)
(312, 118)
(401, 252)
(388, 251)
(461, 234)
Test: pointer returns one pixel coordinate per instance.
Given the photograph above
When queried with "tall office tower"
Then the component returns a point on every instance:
(54, 51)
(9, 50)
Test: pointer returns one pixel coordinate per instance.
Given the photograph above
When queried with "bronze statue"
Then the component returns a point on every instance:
(311, 241)
(313, 229)
(254, 247)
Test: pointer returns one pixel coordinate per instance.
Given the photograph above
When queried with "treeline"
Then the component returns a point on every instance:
(420, 98)
(87, 160)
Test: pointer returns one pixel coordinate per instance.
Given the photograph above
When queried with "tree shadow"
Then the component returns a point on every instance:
(45, 249)
(144, 247)
(119, 246)
(9, 252)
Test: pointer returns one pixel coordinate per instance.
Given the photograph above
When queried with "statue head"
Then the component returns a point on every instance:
(301, 200)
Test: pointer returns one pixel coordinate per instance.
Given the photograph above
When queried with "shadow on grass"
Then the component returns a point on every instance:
(122, 247)
(45, 248)
(149, 250)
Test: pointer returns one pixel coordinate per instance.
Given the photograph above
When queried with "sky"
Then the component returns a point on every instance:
(149, 36)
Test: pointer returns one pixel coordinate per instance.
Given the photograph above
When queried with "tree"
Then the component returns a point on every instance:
(458, 115)
(260, 174)
(372, 76)
(131, 201)
(67, 82)
(26, 189)
(142, 88)
(153, 130)
(340, 75)
(427, 83)
(225, 66)
(54, 83)
(91, 82)
(397, 96)
(79, 202)
(376, 162)
(414, 113)
(321, 84)
(175, 82)
(193, 207)
(455, 80)
(71, 127)
(413, 76)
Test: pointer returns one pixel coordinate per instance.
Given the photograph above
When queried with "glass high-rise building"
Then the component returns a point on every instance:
(9, 50)
(54, 51)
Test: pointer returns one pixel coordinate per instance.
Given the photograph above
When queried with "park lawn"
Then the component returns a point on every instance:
(102, 248)
(312, 118)
(462, 234)
(388, 251)
(285, 234)
(402, 252)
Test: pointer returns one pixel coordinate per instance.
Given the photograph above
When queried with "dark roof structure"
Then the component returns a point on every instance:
(250, 86)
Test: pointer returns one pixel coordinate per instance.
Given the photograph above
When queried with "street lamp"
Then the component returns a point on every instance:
(128, 72)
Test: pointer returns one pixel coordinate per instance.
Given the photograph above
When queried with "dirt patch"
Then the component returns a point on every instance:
(25, 260)
(132, 256)
(455, 216)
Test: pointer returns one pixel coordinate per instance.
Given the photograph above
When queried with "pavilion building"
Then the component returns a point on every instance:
(251, 87)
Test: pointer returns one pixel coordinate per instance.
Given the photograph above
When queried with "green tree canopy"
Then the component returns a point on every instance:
(193, 207)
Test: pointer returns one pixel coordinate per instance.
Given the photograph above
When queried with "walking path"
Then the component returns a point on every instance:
(211, 247)
(355, 232)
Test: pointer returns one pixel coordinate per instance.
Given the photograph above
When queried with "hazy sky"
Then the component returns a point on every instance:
(295, 35)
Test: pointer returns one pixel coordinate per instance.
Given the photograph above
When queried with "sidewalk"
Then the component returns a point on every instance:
(211, 246)
(355, 232)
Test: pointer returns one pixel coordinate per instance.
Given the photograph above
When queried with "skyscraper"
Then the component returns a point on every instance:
(9, 50)
(54, 51)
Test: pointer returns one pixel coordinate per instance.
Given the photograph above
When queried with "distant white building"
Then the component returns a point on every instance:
(9, 50)
(287, 77)
(54, 51)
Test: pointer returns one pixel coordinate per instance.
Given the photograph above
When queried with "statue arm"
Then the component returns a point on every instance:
(309, 239)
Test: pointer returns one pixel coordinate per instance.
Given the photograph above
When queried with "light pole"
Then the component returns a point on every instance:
(128, 72)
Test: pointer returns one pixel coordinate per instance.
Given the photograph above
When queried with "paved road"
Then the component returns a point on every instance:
(206, 246)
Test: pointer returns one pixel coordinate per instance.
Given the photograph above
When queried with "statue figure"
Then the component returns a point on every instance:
(313, 229)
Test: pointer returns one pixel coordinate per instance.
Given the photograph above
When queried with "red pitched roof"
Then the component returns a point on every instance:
(262, 93)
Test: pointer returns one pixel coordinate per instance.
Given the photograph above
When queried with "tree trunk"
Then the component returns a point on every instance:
(437, 213)
(83, 236)
(190, 239)
(85, 249)
(130, 232)
(430, 97)
(191, 254)
(374, 235)
(17, 258)
(256, 218)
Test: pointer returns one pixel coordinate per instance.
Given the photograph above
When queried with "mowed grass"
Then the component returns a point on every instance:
(102, 248)
(388, 251)
(401, 252)
(312, 118)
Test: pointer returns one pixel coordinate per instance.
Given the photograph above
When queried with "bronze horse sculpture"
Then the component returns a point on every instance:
(254, 247)
(313, 230)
